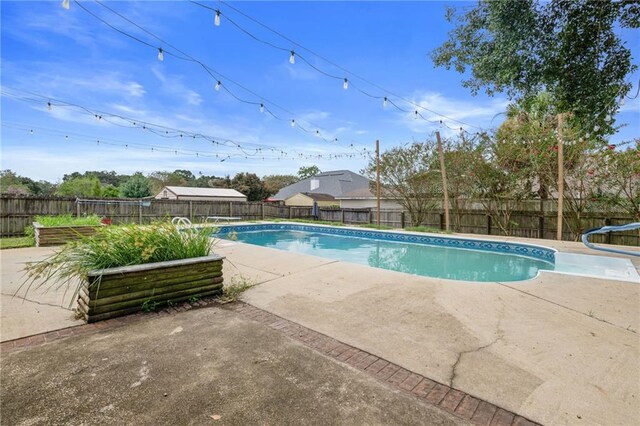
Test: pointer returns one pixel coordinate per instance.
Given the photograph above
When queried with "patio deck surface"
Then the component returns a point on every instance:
(556, 349)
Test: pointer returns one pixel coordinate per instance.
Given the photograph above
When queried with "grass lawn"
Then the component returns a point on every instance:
(16, 242)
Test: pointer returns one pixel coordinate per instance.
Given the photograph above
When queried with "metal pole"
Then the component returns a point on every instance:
(560, 177)
(444, 182)
(378, 182)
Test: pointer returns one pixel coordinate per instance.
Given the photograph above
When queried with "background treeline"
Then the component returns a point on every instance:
(109, 184)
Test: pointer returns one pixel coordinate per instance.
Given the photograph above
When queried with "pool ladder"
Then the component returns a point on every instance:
(181, 221)
(604, 230)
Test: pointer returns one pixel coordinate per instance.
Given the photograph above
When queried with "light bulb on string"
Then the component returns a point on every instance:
(65, 4)
(160, 54)
(261, 107)
(217, 86)
(622, 101)
(292, 58)
(31, 131)
(596, 128)
(385, 102)
(415, 115)
(608, 118)
(66, 137)
(293, 123)
(345, 85)
(216, 20)
(49, 106)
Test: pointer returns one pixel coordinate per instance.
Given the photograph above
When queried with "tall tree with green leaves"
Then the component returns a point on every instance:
(274, 183)
(307, 172)
(569, 48)
(410, 175)
(138, 186)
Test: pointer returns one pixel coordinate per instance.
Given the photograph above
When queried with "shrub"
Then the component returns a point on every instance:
(118, 246)
(67, 220)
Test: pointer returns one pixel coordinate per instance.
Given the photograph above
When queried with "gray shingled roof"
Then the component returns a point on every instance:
(334, 183)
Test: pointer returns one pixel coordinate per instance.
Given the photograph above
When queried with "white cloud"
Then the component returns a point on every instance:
(454, 113)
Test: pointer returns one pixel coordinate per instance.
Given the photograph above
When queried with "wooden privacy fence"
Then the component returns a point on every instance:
(18, 212)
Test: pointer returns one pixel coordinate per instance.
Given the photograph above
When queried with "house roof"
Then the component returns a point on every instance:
(317, 196)
(334, 183)
(187, 191)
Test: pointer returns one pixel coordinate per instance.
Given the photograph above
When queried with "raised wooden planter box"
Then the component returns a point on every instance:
(114, 292)
(57, 235)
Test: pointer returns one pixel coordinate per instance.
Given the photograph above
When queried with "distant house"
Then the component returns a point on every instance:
(365, 198)
(307, 199)
(335, 184)
(200, 194)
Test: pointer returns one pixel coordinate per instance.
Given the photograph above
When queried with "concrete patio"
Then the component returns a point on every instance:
(556, 349)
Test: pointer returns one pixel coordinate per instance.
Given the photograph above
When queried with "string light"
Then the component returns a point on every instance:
(292, 58)
(160, 54)
(345, 85)
(187, 57)
(164, 131)
(49, 106)
(65, 4)
(217, 86)
(31, 131)
(261, 107)
(216, 20)
(385, 102)
(415, 115)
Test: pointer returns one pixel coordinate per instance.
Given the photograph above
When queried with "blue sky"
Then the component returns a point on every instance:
(70, 56)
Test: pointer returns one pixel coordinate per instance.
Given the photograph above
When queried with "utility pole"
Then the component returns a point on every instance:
(560, 177)
(378, 182)
(444, 182)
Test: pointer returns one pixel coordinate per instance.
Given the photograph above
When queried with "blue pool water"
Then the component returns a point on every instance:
(445, 258)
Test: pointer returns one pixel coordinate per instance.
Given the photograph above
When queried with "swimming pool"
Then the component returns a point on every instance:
(426, 255)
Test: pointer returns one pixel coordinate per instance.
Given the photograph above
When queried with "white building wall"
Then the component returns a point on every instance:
(365, 204)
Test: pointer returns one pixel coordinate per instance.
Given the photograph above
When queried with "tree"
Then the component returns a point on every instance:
(80, 187)
(274, 183)
(307, 172)
(407, 173)
(499, 185)
(10, 183)
(566, 47)
(250, 185)
(459, 155)
(617, 170)
(138, 186)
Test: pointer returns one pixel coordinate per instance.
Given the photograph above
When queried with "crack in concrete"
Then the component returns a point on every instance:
(567, 307)
(499, 335)
(24, 299)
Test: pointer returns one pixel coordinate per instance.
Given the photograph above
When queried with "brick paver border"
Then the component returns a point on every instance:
(454, 401)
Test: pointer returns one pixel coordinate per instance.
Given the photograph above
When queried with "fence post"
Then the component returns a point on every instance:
(607, 238)
(488, 225)
(441, 221)
(342, 213)
(230, 209)
(541, 227)
(290, 213)
(262, 210)
(140, 213)
(77, 209)
(191, 211)
(370, 216)
(402, 219)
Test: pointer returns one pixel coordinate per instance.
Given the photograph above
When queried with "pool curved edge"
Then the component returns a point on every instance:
(538, 252)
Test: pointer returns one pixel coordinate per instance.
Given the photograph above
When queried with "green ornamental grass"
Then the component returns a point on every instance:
(115, 246)
(67, 220)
